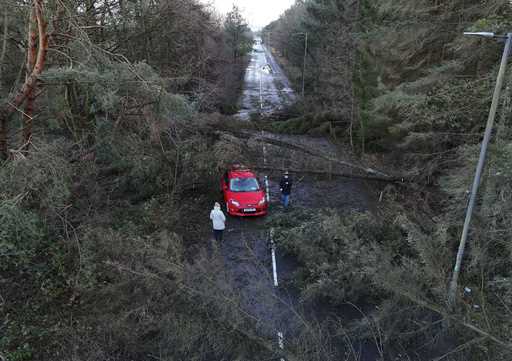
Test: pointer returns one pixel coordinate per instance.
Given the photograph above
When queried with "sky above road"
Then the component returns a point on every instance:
(257, 12)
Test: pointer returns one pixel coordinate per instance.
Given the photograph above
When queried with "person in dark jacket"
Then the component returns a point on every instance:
(286, 189)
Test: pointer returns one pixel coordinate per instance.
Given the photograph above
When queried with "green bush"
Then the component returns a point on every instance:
(316, 124)
(34, 192)
(336, 252)
(360, 258)
(20, 234)
(41, 181)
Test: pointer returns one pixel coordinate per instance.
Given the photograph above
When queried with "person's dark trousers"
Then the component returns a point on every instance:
(218, 235)
(285, 199)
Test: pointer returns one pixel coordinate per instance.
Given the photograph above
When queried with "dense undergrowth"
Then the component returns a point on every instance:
(399, 82)
(95, 250)
(103, 219)
(386, 82)
(92, 238)
(396, 264)
(105, 213)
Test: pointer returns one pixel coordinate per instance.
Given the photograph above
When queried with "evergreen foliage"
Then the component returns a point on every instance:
(98, 260)
(238, 34)
(92, 213)
(422, 93)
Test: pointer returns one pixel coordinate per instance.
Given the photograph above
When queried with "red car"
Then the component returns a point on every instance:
(243, 193)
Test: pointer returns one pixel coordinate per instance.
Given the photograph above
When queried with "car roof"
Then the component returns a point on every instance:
(241, 173)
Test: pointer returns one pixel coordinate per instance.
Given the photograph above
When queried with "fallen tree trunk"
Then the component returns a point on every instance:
(366, 172)
(332, 173)
(305, 150)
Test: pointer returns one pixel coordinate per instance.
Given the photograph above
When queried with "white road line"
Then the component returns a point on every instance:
(280, 336)
(267, 191)
(274, 263)
(274, 267)
(280, 340)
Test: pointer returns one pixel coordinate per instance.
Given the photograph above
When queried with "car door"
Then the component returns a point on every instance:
(224, 184)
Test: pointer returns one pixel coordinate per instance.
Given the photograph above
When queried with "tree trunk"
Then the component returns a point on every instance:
(30, 81)
(31, 59)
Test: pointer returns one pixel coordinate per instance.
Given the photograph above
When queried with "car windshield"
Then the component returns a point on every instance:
(244, 185)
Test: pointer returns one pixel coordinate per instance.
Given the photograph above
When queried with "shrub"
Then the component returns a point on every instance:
(42, 180)
(335, 252)
(20, 234)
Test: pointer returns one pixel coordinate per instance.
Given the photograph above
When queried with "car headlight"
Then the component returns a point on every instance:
(262, 202)
(235, 203)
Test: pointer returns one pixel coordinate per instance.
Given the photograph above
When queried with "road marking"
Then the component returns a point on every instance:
(274, 263)
(280, 336)
(267, 191)
(280, 340)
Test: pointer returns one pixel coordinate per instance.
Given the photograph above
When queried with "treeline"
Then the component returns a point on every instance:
(399, 82)
(381, 68)
(106, 147)
(194, 51)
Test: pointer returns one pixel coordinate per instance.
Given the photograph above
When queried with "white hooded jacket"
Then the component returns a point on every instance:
(218, 218)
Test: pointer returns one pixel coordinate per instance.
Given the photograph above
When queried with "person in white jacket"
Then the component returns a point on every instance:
(219, 222)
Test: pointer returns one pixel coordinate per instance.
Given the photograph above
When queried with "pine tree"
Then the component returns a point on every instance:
(239, 38)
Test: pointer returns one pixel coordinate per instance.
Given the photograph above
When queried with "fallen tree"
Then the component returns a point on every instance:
(331, 173)
(364, 172)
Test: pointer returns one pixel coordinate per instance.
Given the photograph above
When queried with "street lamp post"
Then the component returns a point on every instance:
(304, 61)
(452, 291)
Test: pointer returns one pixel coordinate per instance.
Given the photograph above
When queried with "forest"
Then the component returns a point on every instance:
(118, 117)
(400, 83)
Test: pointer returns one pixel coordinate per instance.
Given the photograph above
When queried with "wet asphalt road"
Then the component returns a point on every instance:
(246, 251)
(266, 88)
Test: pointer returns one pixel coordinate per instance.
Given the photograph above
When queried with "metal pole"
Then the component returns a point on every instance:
(304, 65)
(452, 291)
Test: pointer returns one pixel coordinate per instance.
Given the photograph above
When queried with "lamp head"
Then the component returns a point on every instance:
(483, 34)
